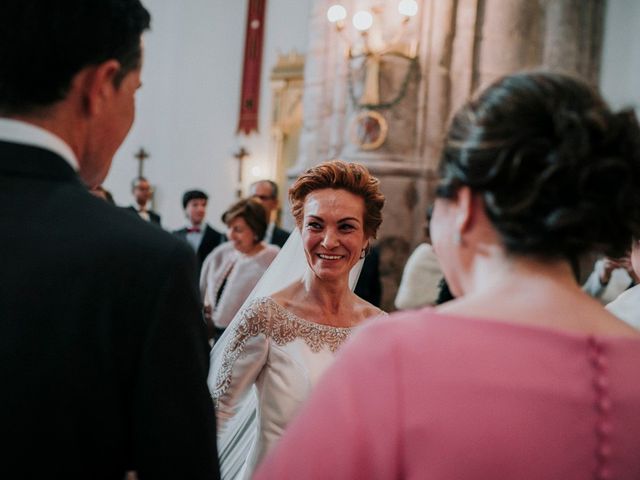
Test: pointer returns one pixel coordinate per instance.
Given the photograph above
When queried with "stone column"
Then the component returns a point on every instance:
(573, 37)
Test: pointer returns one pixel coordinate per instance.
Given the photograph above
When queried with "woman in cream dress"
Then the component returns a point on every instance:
(282, 342)
(232, 270)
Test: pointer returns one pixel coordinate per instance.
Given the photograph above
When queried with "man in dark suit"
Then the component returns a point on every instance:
(369, 286)
(198, 233)
(267, 192)
(141, 190)
(103, 352)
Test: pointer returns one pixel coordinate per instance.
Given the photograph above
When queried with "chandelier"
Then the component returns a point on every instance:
(367, 46)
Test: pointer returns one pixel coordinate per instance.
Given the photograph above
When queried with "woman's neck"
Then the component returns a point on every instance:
(333, 297)
(523, 290)
(491, 274)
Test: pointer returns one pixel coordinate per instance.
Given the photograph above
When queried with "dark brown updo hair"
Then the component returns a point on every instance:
(559, 172)
(339, 175)
(253, 213)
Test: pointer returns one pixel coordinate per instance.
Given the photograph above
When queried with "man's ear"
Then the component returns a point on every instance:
(97, 85)
(464, 206)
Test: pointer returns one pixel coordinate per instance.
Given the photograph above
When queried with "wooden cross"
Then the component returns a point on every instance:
(141, 155)
(241, 154)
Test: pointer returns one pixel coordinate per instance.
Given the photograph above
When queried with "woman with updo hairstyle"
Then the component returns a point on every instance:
(233, 268)
(298, 317)
(523, 376)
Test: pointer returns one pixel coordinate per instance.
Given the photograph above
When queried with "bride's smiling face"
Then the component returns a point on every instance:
(333, 232)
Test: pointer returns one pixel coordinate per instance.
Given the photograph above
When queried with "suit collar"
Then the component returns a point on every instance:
(31, 161)
(24, 133)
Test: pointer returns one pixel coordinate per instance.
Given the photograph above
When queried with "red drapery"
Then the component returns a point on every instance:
(250, 95)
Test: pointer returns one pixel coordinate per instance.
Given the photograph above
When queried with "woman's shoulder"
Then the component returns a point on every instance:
(223, 247)
(627, 306)
(443, 333)
(365, 310)
(257, 305)
(423, 255)
(424, 331)
(262, 259)
(270, 252)
(218, 255)
(368, 311)
(277, 307)
(423, 249)
(269, 247)
(222, 250)
(266, 307)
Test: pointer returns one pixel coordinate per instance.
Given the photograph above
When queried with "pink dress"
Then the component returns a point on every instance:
(430, 396)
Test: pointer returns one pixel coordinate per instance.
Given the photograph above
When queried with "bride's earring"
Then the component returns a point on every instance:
(363, 254)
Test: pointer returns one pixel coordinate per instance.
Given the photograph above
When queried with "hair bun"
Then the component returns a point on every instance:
(559, 172)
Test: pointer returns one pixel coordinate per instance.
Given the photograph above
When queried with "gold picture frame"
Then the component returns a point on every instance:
(369, 130)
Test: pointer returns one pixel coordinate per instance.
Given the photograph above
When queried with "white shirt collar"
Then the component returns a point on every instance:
(268, 235)
(16, 131)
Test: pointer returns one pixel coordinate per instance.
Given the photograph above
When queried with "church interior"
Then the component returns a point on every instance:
(350, 239)
(315, 82)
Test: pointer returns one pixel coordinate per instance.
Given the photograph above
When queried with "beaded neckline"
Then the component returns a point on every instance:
(293, 317)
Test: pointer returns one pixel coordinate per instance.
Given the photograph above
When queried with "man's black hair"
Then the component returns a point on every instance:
(193, 195)
(44, 44)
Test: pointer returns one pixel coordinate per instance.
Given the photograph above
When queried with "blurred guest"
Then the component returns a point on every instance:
(609, 278)
(369, 286)
(232, 269)
(444, 294)
(142, 193)
(267, 192)
(101, 192)
(627, 305)
(202, 237)
(420, 284)
(523, 376)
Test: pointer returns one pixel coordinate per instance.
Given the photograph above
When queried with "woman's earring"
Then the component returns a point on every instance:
(363, 254)
(457, 239)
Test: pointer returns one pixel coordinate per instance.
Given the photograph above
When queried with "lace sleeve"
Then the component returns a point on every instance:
(241, 361)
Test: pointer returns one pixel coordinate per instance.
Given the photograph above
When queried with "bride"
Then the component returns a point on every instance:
(289, 330)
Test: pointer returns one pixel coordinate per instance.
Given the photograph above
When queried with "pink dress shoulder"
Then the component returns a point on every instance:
(424, 395)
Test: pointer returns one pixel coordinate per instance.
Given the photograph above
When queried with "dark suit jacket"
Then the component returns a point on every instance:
(369, 286)
(103, 351)
(210, 240)
(153, 216)
(279, 237)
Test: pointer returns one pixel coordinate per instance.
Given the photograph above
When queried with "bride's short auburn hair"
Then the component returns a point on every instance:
(339, 175)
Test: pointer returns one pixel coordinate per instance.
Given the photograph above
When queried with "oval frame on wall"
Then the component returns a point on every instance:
(369, 130)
